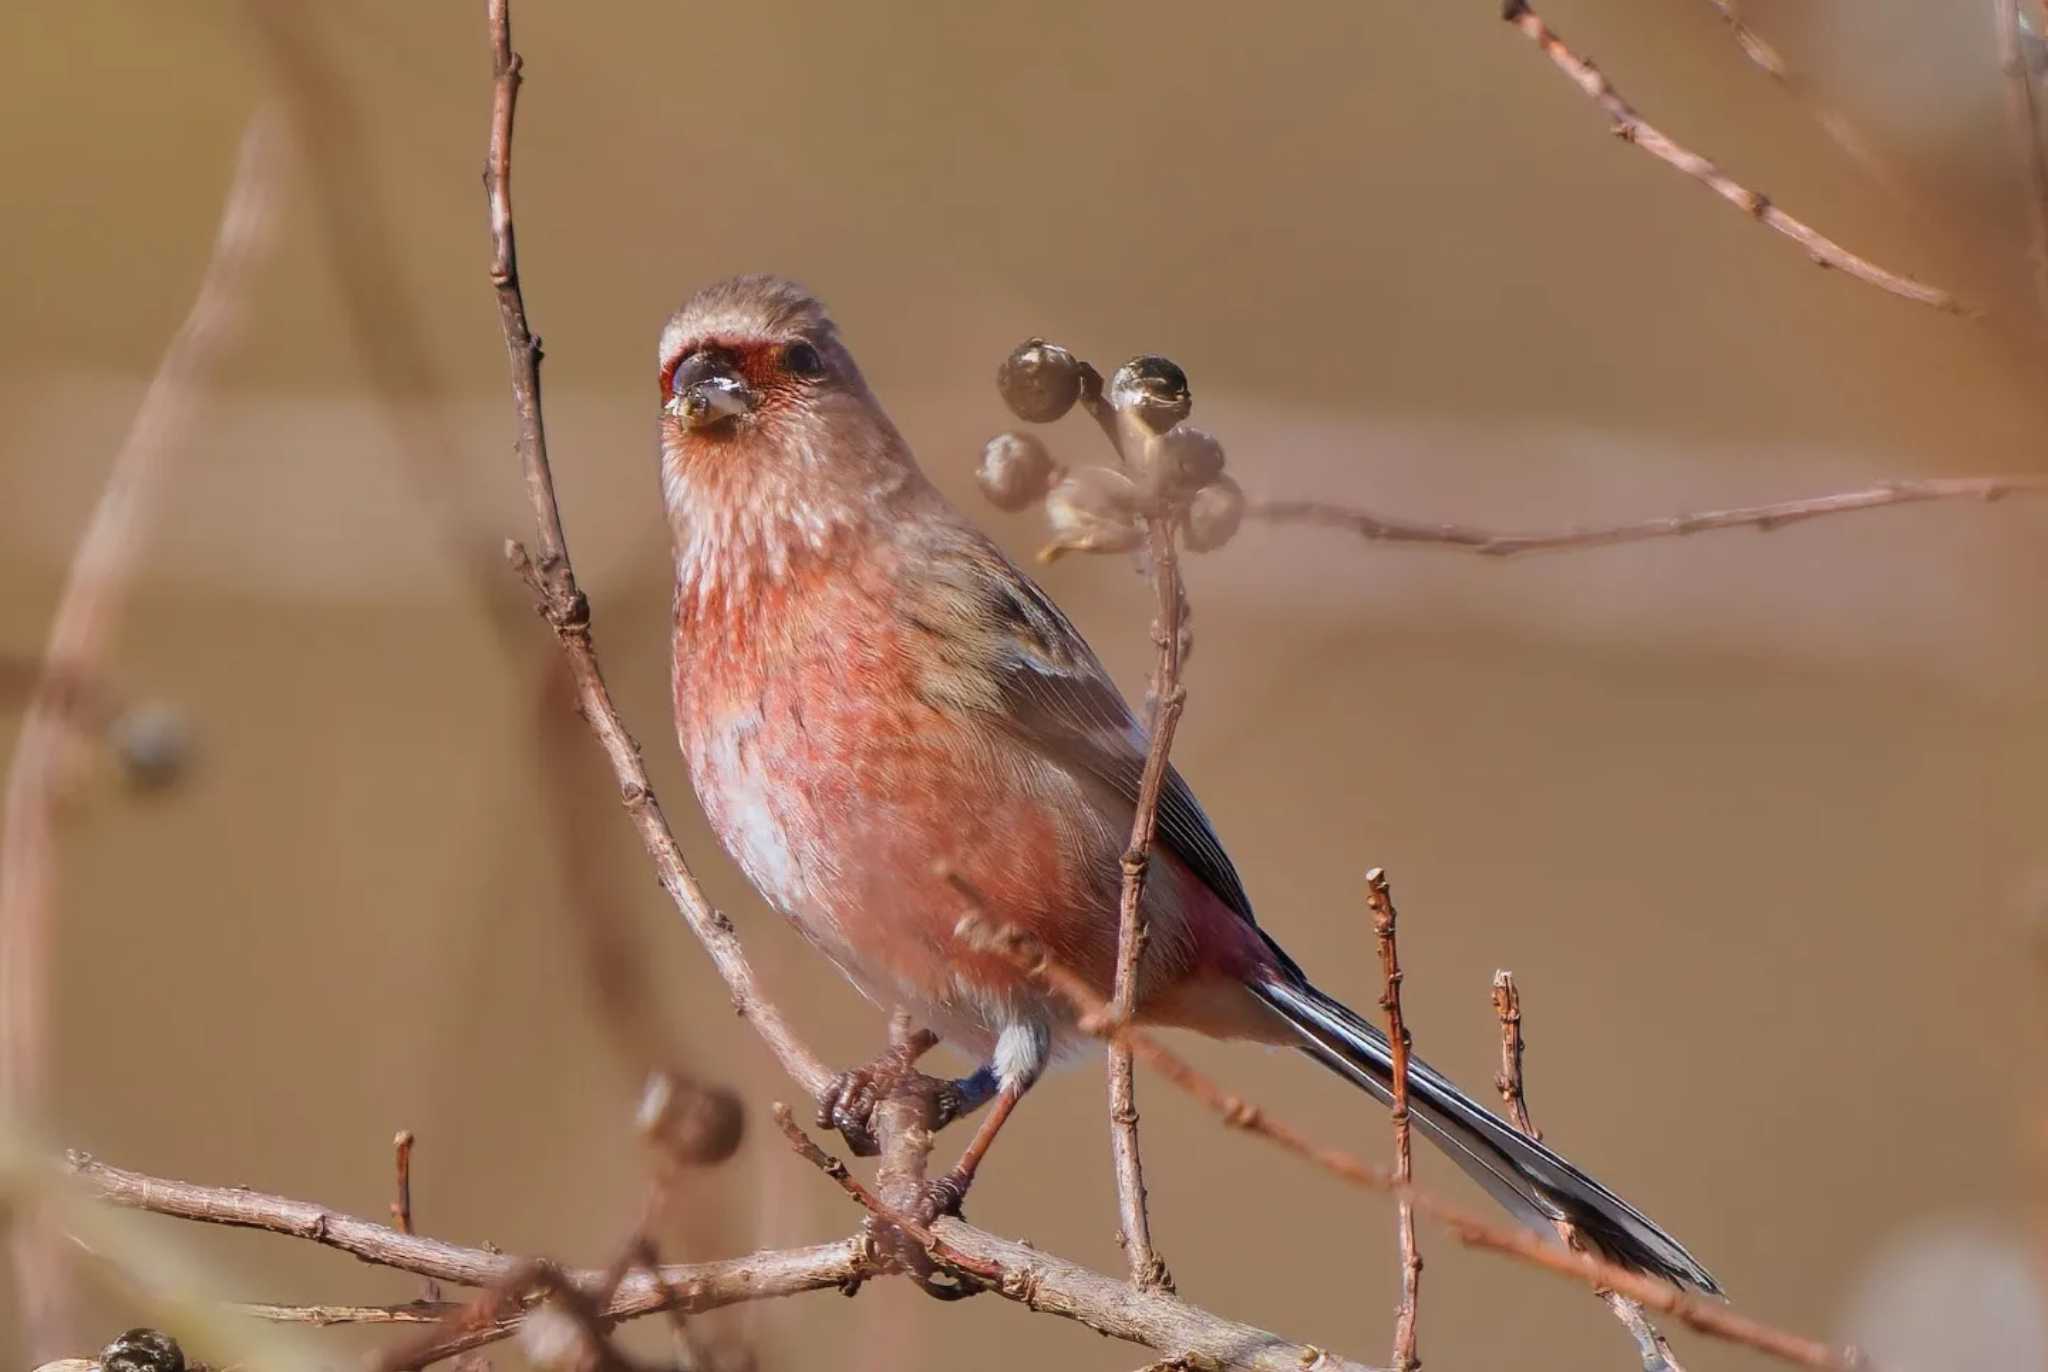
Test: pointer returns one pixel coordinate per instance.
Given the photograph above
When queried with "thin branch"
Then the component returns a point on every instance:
(411, 1312)
(1631, 127)
(553, 580)
(1107, 1304)
(1763, 518)
(1380, 900)
(45, 756)
(2023, 105)
(1168, 699)
(1507, 1008)
(1471, 1230)
(693, 1287)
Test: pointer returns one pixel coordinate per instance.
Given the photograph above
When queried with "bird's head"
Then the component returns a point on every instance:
(771, 443)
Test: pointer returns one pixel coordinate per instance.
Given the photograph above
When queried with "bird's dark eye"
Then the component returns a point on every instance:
(801, 359)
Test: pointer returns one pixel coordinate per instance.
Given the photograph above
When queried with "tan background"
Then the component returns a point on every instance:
(1756, 820)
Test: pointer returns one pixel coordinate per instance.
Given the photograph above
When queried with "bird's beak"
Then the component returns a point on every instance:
(708, 391)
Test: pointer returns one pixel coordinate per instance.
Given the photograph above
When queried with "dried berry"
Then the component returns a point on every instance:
(1214, 514)
(1179, 462)
(1015, 471)
(143, 1350)
(1092, 510)
(1153, 389)
(1039, 381)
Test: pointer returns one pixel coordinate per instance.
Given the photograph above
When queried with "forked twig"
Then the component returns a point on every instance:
(1507, 1008)
(1631, 127)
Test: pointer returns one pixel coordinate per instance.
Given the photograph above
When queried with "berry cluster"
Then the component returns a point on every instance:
(1166, 468)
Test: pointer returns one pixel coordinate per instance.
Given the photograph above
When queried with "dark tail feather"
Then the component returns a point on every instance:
(1534, 1184)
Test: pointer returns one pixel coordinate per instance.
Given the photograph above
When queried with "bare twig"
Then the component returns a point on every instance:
(693, 1287)
(1764, 518)
(411, 1312)
(1631, 127)
(553, 580)
(1168, 699)
(1507, 1008)
(1708, 1317)
(1029, 1277)
(1380, 900)
(401, 1208)
(45, 754)
(2023, 104)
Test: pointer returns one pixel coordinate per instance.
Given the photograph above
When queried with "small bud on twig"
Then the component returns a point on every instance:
(1039, 381)
(1214, 514)
(1015, 471)
(1092, 510)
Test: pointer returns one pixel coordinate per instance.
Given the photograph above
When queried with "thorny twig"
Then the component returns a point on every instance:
(1380, 900)
(1708, 1317)
(1631, 127)
(88, 610)
(1507, 1008)
(1764, 518)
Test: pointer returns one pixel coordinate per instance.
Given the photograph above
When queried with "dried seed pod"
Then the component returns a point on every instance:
(1214, 514)
(143, 1350)
(1015, 471)
(1153, 389)
(1092, 510)
(1179, 462)
(1039, 381)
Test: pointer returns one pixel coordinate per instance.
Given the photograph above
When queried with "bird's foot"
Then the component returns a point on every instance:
(849, 1102)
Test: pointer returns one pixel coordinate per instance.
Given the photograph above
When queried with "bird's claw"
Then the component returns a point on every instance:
(849, 1101)
(942, 1196)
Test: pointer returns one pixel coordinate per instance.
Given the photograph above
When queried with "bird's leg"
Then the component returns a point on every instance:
(848, 1104)
(943, 1196)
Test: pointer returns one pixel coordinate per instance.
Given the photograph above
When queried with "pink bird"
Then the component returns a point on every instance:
(866, 687)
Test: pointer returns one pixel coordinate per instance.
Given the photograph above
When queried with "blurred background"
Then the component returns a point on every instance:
(1756, 819)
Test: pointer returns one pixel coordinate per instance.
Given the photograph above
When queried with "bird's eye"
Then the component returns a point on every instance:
(801, 359)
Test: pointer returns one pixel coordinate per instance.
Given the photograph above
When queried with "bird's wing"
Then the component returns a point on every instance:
(1053, 694)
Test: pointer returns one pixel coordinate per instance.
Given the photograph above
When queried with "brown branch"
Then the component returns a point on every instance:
(1764, 518)
(553, 580)
(1507, 1008)
(692, 1287)
(1029, 1277)
(1380, 900)
(1468, 1228)
(2024, 108)
(46, 760)
(1168, 699)
(1631, 127)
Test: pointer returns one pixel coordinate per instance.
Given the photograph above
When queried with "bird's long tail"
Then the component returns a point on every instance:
(1533, 1183)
